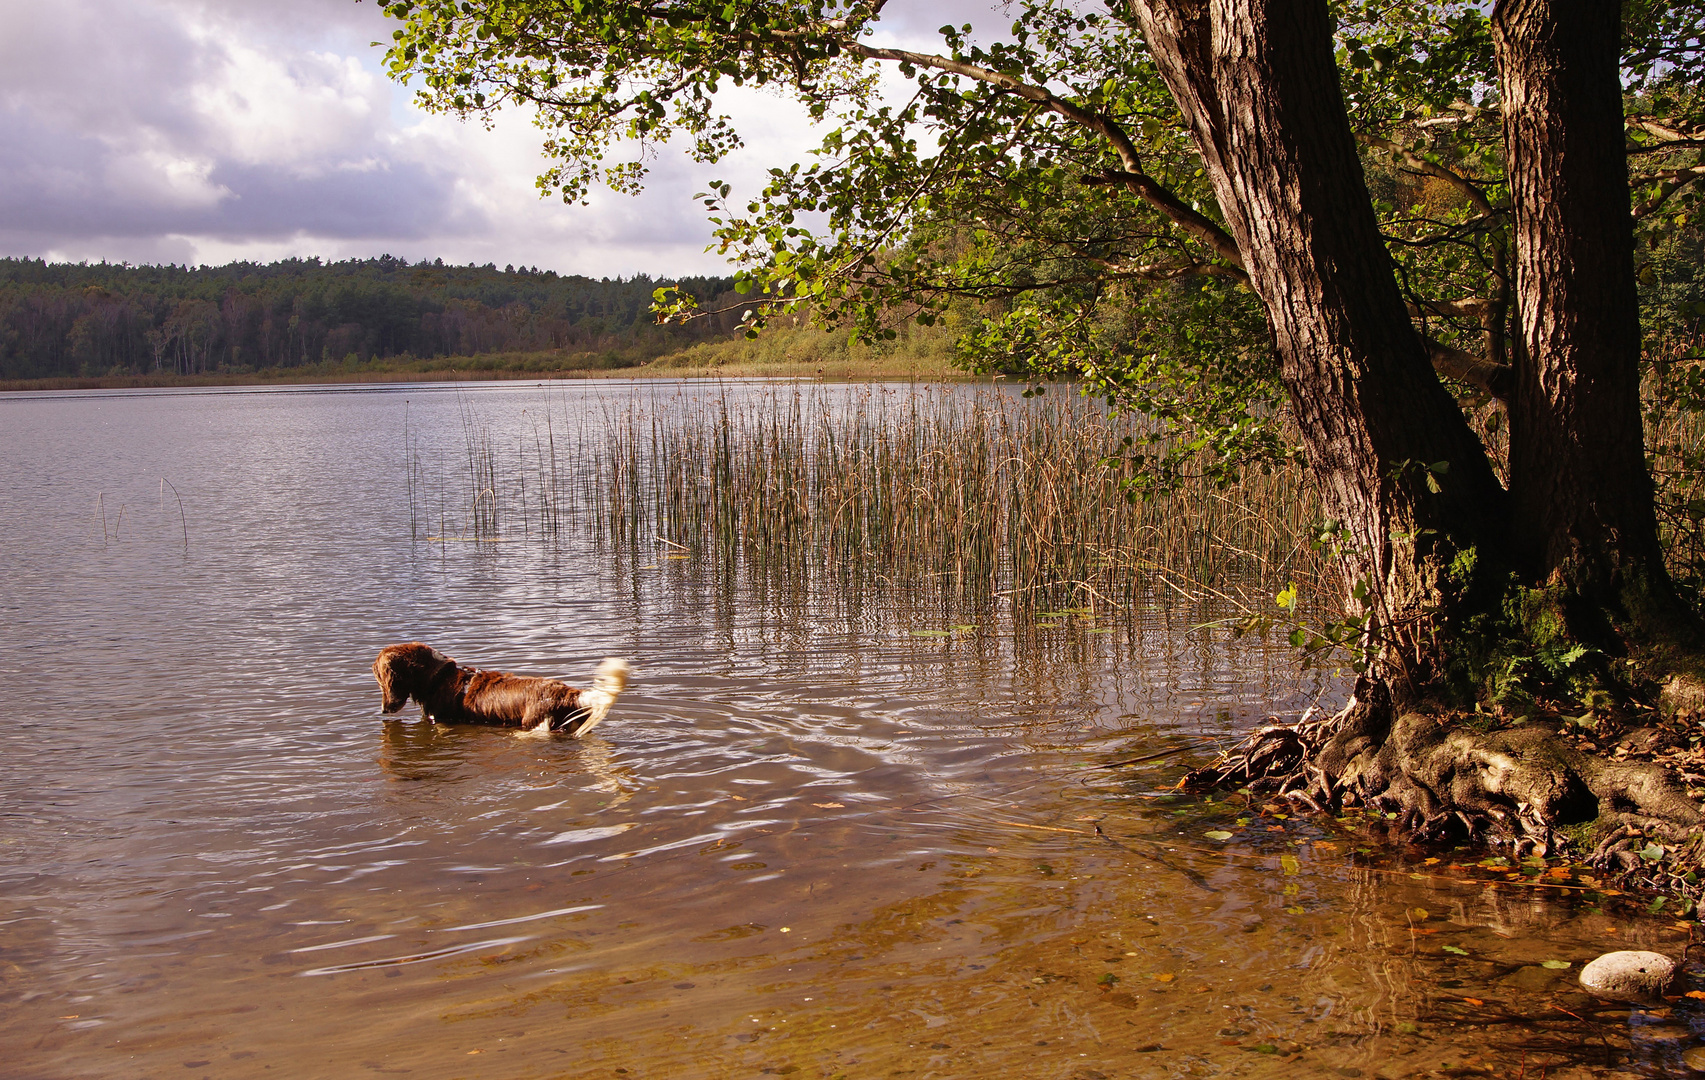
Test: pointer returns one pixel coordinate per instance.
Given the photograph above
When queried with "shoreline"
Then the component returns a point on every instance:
(883, 370)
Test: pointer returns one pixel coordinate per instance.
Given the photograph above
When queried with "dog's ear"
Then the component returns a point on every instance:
(384, 670)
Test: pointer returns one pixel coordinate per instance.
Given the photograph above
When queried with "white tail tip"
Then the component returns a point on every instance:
(610, 680)
(612, 676)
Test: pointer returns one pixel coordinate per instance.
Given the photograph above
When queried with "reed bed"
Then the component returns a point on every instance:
(969, 497)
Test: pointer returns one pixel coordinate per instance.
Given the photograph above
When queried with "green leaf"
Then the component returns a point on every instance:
(1453, 949)
(1217, 834)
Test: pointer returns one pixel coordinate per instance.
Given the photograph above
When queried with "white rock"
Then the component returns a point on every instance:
(1629, 976)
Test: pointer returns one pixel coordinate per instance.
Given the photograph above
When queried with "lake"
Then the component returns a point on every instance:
(815, 838)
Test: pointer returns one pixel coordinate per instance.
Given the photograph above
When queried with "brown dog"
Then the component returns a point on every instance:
(452, 694)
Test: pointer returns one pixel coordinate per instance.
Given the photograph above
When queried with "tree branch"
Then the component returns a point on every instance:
(1431, 168)
(1488, 376)
(1674, 181)
(1180, 213)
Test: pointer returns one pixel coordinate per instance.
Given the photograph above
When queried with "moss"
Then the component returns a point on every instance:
(1584, 835)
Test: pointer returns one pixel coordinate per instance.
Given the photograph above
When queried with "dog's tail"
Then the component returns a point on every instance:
(607, 684)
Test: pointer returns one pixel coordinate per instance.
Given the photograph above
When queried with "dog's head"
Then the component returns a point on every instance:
(407, 670)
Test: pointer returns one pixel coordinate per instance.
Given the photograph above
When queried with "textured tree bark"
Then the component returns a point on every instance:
(1581, 497)
(1395, 461)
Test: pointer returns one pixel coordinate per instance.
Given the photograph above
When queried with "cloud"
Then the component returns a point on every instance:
(211, 130)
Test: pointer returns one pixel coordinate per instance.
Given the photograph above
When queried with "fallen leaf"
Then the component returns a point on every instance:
(1086, 817)
(1275, 828)
(828, 805)
(993, 850)
(1217, 834)
(738, 798)
(1454, 949)
(1294, 911)
(1476, 1002)
(1698, 994)
(1165, 976)
(1430, 862)
(1561, 965)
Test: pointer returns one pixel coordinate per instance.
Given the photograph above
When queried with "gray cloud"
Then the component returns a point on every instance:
(206, 130)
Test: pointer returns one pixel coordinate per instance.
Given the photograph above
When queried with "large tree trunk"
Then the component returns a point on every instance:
(1257, 84)
(1394, 460)
(1581, 496)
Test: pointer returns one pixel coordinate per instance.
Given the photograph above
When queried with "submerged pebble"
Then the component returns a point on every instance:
(1629, 975)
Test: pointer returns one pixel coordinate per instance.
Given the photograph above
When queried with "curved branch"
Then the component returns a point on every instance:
(1180, 213)
(1420, 164)
(1487, 376)
(1674, 181)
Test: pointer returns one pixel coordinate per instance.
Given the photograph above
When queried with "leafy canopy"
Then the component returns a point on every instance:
(1044, 183)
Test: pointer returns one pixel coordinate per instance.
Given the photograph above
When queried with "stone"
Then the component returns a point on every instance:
(1530, 977)
(1629, 975)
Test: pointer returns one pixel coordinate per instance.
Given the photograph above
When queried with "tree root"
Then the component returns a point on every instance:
(1523, 787)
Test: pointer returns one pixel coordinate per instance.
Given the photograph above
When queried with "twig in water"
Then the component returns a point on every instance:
(181, 517)
(1157, 754)
(1194, 878)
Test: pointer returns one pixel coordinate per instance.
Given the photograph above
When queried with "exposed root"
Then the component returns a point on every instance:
(1522, 787)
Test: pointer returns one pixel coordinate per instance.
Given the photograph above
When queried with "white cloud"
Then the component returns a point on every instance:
(204, 131)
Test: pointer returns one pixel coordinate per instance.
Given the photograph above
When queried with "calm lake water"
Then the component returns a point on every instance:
(807, 843)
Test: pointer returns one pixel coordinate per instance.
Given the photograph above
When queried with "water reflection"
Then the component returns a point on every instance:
(811, 842)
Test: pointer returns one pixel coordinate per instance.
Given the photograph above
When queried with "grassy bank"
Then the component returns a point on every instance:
(779, 353)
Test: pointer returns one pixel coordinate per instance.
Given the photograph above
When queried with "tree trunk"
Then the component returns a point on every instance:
(1581, 496)
(1394, 459)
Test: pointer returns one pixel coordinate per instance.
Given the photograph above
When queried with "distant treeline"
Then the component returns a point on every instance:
(60, 319)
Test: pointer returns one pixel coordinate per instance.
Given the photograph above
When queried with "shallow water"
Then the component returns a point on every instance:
(807, 842)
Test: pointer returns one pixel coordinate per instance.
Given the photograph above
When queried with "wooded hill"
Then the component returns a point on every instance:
(81, 319)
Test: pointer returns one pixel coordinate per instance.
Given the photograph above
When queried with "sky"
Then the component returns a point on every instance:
(207, 131)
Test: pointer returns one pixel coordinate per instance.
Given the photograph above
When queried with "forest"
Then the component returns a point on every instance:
(63, 319)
